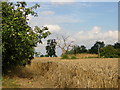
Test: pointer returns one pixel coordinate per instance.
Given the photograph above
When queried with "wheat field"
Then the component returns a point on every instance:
(73, 73)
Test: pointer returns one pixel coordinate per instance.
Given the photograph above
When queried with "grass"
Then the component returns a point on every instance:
(73, 57)
(8, 82)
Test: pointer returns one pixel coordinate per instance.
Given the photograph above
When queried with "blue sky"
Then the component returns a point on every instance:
(85, 22)
(86, 15)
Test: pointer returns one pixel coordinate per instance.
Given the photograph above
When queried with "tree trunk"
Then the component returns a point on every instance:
(63, 51)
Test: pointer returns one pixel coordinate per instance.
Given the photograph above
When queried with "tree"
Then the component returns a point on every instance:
(37, 54)
(77, 50)
(18, 38)
(50, 48)
(64, 44)
(95, 49)
(117, 45)
(83, 49)
(109, 52)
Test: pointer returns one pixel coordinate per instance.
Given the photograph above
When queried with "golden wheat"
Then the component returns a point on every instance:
(78, 73)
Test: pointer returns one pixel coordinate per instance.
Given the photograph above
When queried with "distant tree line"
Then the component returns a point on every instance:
(108, 51)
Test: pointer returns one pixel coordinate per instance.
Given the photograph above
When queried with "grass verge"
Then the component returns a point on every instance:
(8, 82)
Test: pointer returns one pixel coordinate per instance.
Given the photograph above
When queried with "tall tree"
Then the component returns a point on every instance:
(18, 38)
(64, 44)
(96, 47)
(83, 49)
(77, 50)
(109, 52)
(117, 45)
(50, 48)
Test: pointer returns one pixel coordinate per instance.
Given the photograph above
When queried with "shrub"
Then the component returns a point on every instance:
(42, 56)
(73, 57)
(46, 55)
(109, 52)
(65, 56)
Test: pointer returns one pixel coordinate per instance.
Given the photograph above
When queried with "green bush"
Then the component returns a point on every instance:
(65, 56)
(109, 52)
(42, 56)
(46, 55)
(73, 57)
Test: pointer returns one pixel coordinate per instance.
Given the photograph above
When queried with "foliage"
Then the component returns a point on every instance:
(41, 55)
(109, 52)
(83, 49)
(95, 48)
(70, 51)
(37, 54)
(46, 55)
(117, 45)
(77, 50)
(73, 57)
(50, 48)
(18, 38)
(65, 56)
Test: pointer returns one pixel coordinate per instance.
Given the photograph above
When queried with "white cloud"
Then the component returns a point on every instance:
(41, 20)
(96, 29)
(47, 13)
(53, 28)
(88, 38)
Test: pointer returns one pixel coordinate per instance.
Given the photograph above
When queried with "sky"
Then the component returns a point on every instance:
(66, 0)
(85, 22)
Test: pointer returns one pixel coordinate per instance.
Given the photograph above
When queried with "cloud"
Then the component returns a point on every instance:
(41, 20)
(53, 28)
(47, 13)
(88, 38)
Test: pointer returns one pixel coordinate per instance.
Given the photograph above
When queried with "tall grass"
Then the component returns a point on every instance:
(80, 73)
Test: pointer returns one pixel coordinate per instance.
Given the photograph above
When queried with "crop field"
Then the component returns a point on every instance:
(48, 72)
